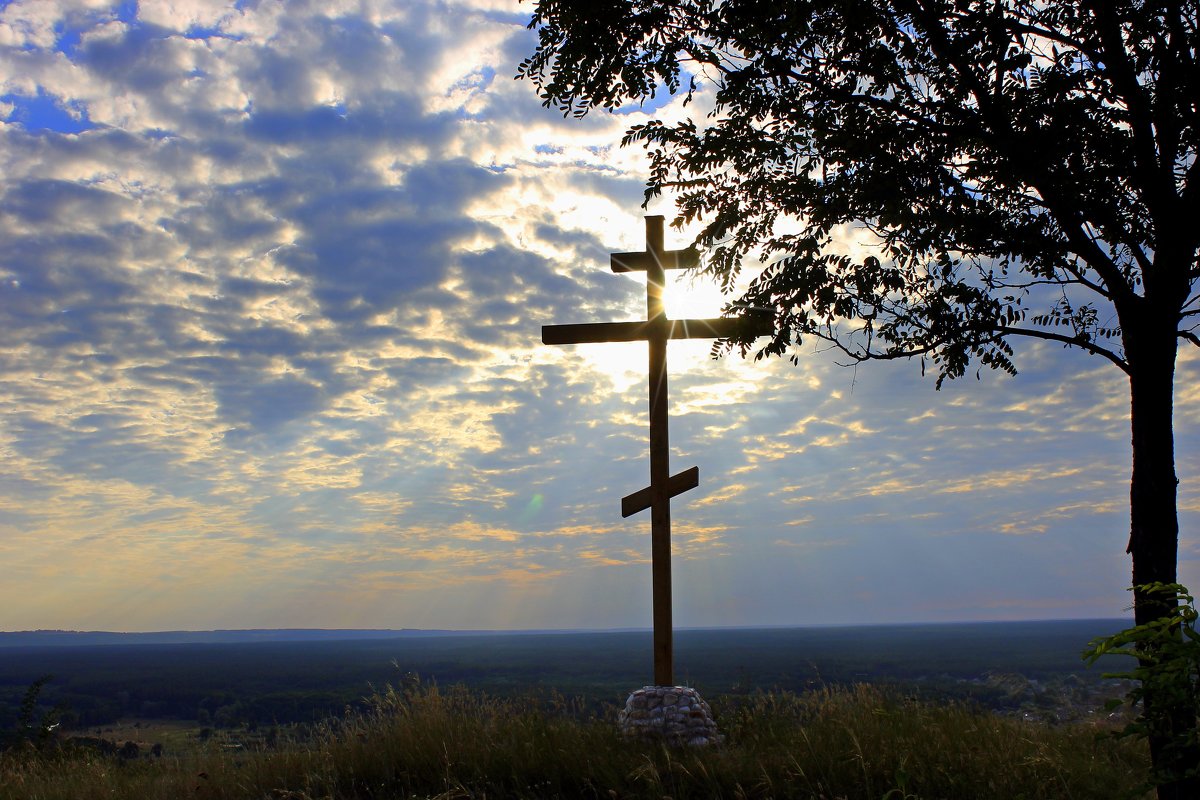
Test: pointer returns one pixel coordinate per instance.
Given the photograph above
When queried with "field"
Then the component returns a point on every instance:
(421, 742)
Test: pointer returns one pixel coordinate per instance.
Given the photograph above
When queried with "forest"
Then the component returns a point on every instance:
(1031, 668)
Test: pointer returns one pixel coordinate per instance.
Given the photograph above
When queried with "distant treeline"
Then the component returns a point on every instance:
(47, 638)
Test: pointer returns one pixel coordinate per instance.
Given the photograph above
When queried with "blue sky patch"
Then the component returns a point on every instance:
(68, 40)
(45, 112)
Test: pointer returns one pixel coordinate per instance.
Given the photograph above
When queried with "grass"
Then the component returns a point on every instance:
(422, 742)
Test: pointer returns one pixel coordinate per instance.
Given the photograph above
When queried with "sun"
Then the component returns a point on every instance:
(686, 297)
(689, 296)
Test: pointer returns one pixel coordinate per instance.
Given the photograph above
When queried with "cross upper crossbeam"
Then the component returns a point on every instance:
(644, 261)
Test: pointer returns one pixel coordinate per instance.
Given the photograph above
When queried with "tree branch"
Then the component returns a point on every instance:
(1074, 341)
(1058, 37)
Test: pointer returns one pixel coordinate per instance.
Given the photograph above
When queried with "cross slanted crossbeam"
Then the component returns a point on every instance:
(657, 330)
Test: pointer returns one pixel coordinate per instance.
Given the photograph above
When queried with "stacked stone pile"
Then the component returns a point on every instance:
(676, 715)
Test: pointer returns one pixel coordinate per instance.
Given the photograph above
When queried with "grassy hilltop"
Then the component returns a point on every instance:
(422, 742)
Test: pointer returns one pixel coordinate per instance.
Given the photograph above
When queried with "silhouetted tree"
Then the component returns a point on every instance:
(1026, 168)
(33, 728)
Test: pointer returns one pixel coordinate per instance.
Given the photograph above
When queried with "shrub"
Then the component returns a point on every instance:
(1167, 651)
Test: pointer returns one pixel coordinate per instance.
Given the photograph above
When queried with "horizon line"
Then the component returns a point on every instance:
(485, 631)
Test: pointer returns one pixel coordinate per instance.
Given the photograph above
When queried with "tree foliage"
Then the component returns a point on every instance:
(1012, 168)
(1168, 665)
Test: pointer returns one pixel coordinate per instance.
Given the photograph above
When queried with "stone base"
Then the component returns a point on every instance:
(676, 715)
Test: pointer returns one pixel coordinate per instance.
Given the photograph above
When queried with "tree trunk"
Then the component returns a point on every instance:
(1154, 531)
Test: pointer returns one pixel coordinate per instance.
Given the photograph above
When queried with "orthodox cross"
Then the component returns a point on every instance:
(656, 329)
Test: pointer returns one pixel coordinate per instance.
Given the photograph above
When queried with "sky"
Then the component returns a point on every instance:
(272, 279)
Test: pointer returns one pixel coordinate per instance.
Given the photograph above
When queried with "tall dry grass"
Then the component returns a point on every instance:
(423, 742)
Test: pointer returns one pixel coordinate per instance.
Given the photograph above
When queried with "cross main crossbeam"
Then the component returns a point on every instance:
(596, 332)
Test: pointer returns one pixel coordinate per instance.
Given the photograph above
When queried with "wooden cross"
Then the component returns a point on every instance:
(657, 329)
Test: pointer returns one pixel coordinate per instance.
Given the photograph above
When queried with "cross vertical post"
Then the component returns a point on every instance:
(660, 456)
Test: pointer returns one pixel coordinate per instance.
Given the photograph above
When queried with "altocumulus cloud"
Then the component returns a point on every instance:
(271, 282)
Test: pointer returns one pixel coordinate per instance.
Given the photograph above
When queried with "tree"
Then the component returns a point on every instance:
(33, 729)
(1027, 169)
